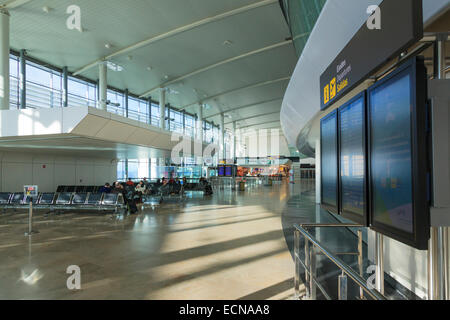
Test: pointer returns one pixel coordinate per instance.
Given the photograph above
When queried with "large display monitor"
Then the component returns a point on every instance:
(221, 171)
(228, 171)
(398, 167)
(353, 160)
(329, 163)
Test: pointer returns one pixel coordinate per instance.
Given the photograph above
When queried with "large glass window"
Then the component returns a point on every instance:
(43, 87)
(14, 82)
(138, 109)
(176, 121)
(301, 16)
(116, 102)
(189, 122)
(81, 93)
(155, 116)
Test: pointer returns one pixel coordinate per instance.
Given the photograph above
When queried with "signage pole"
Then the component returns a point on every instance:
(442, 236)
(379, 253)
(30, 220)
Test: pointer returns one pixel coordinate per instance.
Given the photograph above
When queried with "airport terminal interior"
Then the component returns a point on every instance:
(224, 150)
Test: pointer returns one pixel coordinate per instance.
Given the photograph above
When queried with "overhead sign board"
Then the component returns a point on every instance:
(400, 26)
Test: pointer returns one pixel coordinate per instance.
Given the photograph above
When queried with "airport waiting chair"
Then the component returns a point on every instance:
(79, 198)
(47, 199)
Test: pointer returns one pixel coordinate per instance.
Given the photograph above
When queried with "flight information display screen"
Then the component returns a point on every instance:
(329, 162)
(352, 144)
(228, 171)
(221, 171)
(391, 154)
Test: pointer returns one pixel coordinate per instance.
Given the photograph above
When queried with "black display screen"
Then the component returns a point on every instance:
(329, 162)
(397, 151)
(352, 144)
(221, 171)
(392, 154)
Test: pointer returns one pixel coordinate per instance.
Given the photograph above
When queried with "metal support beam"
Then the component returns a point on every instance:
(126, 93)
(215, 65)
(149, 101)
(103, 86)
(244, 107)
(4, 59)
(65, 83)
(23, 79)
(252, 86)
(12, 4)
(176, 31)
(162, 109)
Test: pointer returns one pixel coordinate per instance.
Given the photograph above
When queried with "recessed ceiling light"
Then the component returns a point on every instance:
(149, 68)
(46, 9)
(166, 77)
(108, 45)
(227, 43)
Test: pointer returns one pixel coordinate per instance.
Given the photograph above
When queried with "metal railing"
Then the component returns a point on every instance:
(311, 283)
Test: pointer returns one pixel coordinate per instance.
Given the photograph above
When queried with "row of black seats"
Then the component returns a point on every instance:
(62, 198)
(79, 189)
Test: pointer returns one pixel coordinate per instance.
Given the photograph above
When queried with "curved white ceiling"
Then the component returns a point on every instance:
(337, 23)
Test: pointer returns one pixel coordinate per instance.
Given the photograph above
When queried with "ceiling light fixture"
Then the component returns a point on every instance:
(149, 68)
(108, 45)
(46, 9)
(114, 66)
(227, 43)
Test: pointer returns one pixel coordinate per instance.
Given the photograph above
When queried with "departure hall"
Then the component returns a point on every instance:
(225, 150)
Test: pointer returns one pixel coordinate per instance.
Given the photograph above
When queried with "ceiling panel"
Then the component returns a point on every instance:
(123, 23)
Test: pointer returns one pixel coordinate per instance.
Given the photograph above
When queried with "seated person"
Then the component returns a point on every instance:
(118, 188)
(130, 182)
(141, 188)
(105, 189)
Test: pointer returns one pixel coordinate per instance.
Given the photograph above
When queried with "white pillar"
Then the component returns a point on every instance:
(234, 141)
(103, 86)
(162, 108)
(4, 60)
(222, 154)
(318, 172)
(200, 122)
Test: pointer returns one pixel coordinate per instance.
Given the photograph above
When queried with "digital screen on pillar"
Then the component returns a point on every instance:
(398, 166)
(221, 171)
(228, 171)
(329, 163)
(353, 158)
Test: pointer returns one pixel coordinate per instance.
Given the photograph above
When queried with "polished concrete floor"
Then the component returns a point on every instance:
(228, 246)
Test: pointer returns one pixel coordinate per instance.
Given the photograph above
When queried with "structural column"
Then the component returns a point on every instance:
(200, 122)
(222, 154)
(23, 80)
(103, 85)
(4, 59)
(162, 108)
(65, 75)
(127, 93)
(318, 173)
(234, 142)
